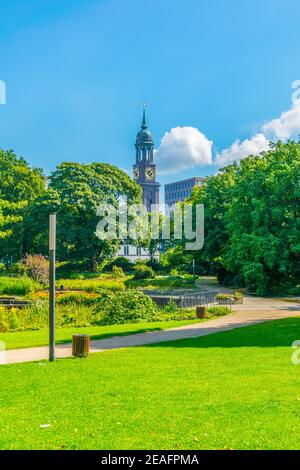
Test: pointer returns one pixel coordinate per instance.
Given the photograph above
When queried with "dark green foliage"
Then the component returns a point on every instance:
(77, 276)
(120, 262)
(74, 270)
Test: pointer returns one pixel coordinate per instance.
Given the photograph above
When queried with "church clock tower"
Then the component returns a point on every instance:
(144, 169)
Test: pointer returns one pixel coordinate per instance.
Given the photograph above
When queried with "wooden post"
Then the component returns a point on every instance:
(200, 311)
(80, 345)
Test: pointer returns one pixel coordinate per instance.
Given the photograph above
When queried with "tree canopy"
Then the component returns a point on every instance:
(252, 221)
(75, 192)
(19, 186)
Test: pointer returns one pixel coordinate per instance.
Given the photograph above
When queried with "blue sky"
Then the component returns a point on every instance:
(77, 73)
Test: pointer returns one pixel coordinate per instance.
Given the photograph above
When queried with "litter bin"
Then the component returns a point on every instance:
(80, 345)
(200, 311)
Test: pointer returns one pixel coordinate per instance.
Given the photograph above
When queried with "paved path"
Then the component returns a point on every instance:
(254, 310)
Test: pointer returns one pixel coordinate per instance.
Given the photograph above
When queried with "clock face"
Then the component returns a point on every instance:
(136, 173)
(150, 173)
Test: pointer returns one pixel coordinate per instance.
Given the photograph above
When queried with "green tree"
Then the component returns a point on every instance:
(19, 186)
(75, 193)
(19, 182)
(9, 216)
(215, 195)
(263, 220)
(252, 221)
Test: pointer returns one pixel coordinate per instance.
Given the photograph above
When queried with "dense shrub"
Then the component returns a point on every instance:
(131, 306)
(14, 269)
(172, 313)
(36, 267)
(141, 271)
(177, 314)
(74, 270)
(120, 262)
(174, 272)
(218, 311)
(171, 307)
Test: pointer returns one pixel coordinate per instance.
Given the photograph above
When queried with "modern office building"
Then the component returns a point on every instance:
(181, 190)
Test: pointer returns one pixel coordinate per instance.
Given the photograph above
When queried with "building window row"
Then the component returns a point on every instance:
(176, 196)
(182, 185)
(138, 250)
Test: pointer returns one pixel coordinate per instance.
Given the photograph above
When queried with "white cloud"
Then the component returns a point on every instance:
(185, 147)
(285, 127)
(182, 148)
(239, 150)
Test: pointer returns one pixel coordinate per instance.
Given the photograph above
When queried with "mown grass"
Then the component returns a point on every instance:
(33, 338)
(231, 390)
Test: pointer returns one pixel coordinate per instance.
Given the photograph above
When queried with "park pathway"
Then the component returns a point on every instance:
(254, 310)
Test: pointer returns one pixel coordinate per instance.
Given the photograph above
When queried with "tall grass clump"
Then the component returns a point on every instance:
(36, 316)
(92, 285)
(18, 285)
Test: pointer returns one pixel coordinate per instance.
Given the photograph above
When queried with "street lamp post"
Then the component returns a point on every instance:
(194, 270)
(52, 249)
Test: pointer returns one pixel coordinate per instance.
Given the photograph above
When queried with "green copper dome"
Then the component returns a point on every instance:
(144, 136)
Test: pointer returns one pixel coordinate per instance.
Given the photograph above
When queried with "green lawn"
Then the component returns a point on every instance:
(32, 338)
(233, 390)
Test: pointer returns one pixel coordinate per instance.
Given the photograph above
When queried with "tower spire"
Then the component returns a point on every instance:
(144, 125)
